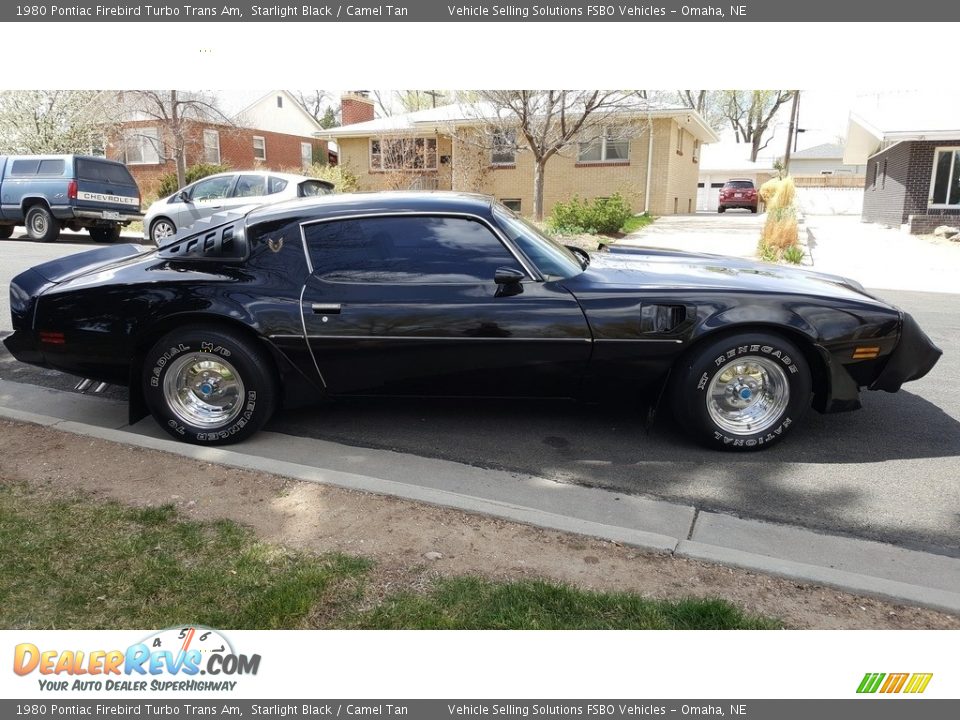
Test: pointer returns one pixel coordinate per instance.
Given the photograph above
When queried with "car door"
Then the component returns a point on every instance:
(407, 304)
(206, 197)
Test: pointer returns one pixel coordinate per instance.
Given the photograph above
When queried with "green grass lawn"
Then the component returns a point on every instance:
(636, 222)
(72, 563)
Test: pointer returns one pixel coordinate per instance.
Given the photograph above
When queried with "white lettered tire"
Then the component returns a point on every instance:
(742, 392)
(209, 385)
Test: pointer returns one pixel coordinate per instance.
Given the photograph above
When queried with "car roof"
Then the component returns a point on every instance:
(282, 175)
(362, 203)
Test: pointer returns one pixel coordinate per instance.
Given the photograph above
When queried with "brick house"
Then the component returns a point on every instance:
(912, 167)
(273, 132)
(449, 148)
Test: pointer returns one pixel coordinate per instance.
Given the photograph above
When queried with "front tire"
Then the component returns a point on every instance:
(6, 231)
(208, 385)
(162, 229)
(743, 392)
(721, 209)
(41, 225)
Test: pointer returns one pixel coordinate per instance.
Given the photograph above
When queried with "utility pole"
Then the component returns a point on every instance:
(433, 95)
(790, 132)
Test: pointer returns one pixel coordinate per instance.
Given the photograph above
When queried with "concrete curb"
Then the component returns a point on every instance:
(711, 537)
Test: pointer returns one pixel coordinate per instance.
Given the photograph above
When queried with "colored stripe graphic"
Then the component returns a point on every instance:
(870, 682)
(918, 683)
(894, 683)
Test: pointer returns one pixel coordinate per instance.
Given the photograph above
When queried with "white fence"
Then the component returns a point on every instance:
(830, 200)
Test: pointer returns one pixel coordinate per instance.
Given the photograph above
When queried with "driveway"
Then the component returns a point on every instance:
(735, 232)
(881, 257)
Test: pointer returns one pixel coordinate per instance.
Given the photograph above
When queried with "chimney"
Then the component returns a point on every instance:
(355, 107)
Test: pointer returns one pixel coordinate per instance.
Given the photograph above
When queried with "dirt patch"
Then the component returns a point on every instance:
(398, 534)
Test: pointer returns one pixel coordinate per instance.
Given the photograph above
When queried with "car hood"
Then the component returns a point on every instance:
(678, 270)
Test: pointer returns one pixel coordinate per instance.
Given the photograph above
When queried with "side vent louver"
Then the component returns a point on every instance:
(662, 318)
(211, 239)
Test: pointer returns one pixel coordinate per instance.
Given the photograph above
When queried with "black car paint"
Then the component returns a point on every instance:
(615, 329)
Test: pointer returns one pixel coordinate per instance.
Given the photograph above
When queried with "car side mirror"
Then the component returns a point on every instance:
(508, 281)
(508, 276)
(184, 196)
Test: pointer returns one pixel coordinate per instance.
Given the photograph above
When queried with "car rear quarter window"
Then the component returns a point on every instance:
(102, 171)
(275, 185)
(313, 188)
(25, 167)
(426, 250)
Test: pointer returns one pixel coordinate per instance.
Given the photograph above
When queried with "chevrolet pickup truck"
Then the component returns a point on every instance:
(47, 193)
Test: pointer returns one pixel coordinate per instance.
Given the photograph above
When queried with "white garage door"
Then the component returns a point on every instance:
(708, 196)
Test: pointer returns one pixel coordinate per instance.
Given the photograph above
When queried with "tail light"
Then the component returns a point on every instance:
(72, 190)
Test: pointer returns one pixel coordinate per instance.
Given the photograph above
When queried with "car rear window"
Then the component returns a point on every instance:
(107, 172)
(740, 184)
(312, 188)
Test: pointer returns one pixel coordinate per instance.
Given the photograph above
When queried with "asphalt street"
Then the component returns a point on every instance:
(889, 472)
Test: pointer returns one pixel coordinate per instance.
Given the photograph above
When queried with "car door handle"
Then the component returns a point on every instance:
(325, 308)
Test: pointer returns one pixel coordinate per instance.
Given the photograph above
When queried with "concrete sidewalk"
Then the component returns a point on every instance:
(854, 565)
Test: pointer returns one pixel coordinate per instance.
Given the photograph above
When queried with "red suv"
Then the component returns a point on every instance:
(738, 194)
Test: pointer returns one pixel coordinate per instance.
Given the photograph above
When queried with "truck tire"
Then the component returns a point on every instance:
(41, 225)
(6, 231)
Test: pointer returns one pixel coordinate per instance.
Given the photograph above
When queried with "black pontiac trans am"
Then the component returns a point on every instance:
(443, 294)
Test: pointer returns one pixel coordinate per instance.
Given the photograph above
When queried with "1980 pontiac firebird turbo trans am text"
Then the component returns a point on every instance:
(444, 294)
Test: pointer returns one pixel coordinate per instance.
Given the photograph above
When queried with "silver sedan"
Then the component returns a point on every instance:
(225, 191)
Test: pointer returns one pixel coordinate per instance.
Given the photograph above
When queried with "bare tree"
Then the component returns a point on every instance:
(405, 101)
(750, 113)
(175, 111)
(705, 102)
(52, 121)
(315, 102)
(545, 122)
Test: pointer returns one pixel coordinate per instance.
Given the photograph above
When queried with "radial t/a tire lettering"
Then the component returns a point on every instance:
(209, 385)
(742, 392)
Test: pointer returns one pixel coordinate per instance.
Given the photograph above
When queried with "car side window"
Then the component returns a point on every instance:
(425, 250)
(212, 188)
(275, 185)
(249, 186)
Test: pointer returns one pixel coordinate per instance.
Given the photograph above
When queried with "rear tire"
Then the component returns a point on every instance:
(41, 225)
(209, 386)
(721, 209)
(101, 233)
(742, 392)
(6, 231)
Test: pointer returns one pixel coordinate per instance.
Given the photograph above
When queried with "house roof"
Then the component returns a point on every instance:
(825, 151)
(867, 131)
(445, 116)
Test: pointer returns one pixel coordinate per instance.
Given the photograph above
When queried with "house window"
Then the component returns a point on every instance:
(512, 204)
(259, 148)
(503, 148)
(696, 150)
(306, 155)
(945, 187)
(279, 101)
(612, 145)
(679, 141)
(141, 146)
(403, 154)
(211, 147)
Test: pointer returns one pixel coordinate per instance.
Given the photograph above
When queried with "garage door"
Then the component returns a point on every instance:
(708, 196)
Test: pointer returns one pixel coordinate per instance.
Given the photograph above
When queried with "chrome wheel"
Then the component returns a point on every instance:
(163, 229)
(203, 390)
(38, 223)
(748, 395)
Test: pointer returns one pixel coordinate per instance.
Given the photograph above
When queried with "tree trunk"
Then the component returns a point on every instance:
(179, 143)
(538, 171)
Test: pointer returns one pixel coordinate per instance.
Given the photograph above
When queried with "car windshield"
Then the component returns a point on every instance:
(552, 259)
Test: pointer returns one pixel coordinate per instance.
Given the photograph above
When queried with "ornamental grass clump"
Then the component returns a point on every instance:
(781, 232)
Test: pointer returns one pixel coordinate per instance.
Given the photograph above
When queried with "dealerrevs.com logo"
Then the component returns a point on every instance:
(178, 659)
(891, 683)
